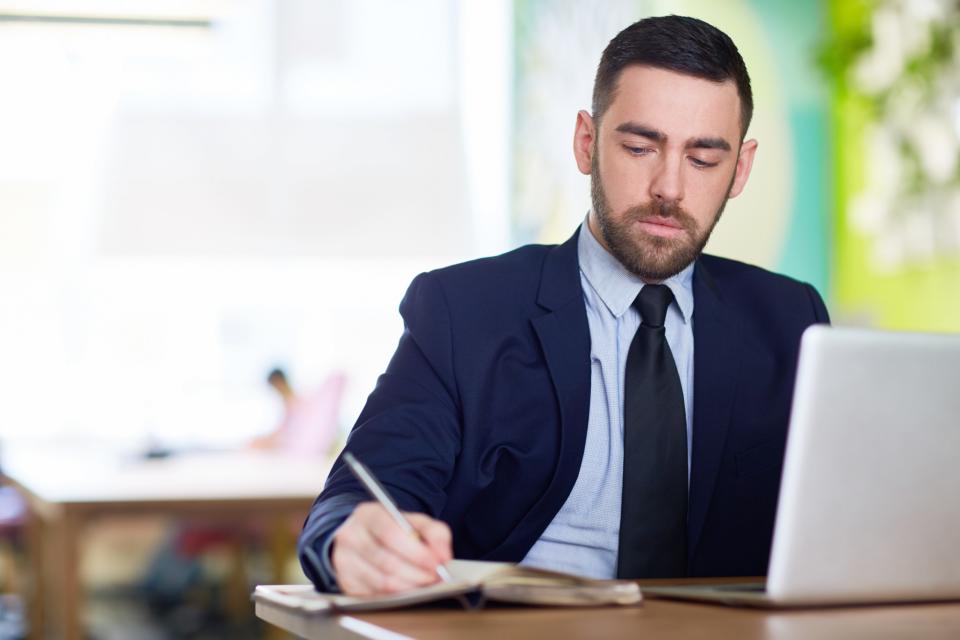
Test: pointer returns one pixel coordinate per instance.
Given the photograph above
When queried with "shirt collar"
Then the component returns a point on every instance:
(618, 287)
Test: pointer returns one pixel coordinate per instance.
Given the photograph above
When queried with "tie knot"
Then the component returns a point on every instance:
(652, 303)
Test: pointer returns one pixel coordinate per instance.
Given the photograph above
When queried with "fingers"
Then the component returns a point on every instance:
(388, 534)
(378, 572)
(356, 576)
(436, 534)
(372, 554)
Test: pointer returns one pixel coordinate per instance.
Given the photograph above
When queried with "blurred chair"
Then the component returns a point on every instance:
(13, 514)
(13, 519)
(309, 428)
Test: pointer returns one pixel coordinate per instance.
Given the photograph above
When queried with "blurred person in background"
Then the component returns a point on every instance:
(309, 425)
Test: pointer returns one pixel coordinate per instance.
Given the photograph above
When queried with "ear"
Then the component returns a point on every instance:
(744, 164)
(583, 137)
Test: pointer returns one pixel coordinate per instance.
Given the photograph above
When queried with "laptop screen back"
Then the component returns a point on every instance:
(870, 498)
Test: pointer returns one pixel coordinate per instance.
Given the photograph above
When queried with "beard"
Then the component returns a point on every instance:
(653, 258)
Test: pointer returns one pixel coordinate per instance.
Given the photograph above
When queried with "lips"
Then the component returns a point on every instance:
(661, 222)
(660, 226)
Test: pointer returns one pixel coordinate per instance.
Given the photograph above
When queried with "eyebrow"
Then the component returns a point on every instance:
(659, 136)
(708, 143)
(642, 131)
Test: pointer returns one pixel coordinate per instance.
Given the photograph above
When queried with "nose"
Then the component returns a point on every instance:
(667, 183)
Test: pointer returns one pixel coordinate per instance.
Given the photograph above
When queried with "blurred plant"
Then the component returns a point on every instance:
(901, 63)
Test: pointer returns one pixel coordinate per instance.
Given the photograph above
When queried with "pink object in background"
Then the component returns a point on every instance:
(311, 421)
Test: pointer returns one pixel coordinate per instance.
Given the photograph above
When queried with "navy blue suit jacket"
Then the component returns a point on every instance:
(481, 416)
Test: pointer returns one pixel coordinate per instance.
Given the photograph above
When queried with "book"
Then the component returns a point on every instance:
(497, 581)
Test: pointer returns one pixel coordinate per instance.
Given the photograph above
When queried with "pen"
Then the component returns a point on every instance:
(380, 494)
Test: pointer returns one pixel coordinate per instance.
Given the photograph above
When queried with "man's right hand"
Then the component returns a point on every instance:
(373, 555)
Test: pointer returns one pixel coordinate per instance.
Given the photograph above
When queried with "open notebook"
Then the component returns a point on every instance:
(494, 580)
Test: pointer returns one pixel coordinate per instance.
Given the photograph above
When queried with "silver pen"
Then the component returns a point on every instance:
(380, 495)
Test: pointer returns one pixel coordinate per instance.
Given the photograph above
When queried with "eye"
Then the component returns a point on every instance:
(638, 151)
(702, 164)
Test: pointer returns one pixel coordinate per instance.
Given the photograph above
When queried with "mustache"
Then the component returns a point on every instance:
(654, 209)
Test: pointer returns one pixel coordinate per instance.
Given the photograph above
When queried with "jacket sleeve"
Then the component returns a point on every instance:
(408, 433)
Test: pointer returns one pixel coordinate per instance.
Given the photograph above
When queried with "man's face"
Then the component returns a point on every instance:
(663, 162)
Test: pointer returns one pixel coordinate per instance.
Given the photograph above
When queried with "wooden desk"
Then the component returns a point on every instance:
(661, 619)
(66, 489)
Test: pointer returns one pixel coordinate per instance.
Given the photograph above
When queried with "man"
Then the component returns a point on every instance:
(613, 406)
(309, 424)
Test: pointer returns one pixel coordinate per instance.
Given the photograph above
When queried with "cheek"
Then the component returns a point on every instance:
(624, 182)
(705, 197)
(708, 186)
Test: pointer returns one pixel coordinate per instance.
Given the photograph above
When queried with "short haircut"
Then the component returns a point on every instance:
(675, 43)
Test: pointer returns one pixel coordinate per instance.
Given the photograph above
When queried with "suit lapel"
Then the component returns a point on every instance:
(716, 339)
(564, 337)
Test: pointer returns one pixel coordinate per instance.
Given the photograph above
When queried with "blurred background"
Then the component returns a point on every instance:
(193, 194)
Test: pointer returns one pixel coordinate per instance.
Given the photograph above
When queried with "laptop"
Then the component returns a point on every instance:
(869, 507)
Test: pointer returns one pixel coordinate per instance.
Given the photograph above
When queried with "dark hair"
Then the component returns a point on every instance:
(676, 43)
(276, 375)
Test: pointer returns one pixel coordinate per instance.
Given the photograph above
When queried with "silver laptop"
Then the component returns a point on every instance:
(869, 506)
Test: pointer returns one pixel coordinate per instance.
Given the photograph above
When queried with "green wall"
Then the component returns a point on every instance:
(923, 297)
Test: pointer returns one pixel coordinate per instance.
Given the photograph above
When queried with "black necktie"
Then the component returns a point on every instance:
(653, 512)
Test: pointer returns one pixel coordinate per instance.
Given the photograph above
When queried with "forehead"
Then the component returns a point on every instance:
(680, 105)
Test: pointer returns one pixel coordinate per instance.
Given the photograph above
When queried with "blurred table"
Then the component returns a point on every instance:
(67, 487)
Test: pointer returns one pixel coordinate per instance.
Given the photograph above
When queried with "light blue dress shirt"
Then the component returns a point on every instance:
(583, 537)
